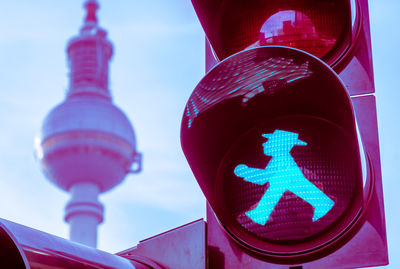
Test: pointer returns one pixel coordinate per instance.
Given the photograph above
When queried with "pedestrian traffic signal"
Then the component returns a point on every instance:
(246, 114)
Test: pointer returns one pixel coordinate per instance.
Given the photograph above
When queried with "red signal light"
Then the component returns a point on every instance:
(322, 28)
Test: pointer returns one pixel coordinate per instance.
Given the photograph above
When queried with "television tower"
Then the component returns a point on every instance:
(87, 145)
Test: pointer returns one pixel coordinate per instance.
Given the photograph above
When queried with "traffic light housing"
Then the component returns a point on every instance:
(215, 148)
(253, 110)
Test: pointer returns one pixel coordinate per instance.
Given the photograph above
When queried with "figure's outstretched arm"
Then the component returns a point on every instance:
(253, 175)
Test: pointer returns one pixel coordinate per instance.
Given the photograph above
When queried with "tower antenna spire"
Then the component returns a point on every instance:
(91, 7)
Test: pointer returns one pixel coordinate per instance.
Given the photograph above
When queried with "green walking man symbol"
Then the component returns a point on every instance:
(283, 174)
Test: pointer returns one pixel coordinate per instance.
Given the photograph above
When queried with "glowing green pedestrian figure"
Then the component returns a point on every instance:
(283, 174)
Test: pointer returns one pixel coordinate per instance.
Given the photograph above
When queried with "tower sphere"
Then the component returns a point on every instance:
(87, 139)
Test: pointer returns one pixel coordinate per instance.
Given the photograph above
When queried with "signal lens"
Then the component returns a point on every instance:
(322, 28)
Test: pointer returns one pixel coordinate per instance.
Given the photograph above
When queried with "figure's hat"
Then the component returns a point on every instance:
(284, 137)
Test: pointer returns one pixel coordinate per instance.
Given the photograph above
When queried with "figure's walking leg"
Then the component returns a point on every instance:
(263, 210)
(312, 195)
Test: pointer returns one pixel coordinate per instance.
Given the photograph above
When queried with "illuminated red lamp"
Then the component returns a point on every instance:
(322, 28)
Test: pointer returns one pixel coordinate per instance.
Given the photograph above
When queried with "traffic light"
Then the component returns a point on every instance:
(24, 247)
(283, 142)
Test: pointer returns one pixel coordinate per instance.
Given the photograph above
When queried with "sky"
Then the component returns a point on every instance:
(158, 61)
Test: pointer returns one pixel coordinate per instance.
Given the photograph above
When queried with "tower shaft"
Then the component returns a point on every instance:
(84, 213)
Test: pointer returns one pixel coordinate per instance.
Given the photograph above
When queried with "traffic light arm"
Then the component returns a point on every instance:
(24, 247)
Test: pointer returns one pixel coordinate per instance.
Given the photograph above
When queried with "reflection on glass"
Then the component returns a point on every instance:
(242, 77)
(295, 29)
